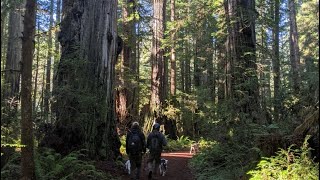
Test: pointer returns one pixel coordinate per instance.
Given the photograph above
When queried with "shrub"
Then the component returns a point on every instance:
(292, 163)
(181, 143)
(12, 169)
(51, 165)
(222, 161)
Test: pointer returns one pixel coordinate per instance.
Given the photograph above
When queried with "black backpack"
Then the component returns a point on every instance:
(155, 144)
(134, 143)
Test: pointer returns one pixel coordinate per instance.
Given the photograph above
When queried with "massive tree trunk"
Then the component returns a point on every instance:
(27, 158)
(294, 48)
(13, 62)
(244, 81)
(127, 91)
(157, 60)
(84, 84)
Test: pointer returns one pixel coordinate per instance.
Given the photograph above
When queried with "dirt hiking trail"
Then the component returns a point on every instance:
(177, 167)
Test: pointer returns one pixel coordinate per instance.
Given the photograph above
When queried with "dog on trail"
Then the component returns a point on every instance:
(128, 166)
(163, 166)
(194, 149)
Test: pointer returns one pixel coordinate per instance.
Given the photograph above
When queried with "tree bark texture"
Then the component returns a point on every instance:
(182, 67)
(197, 62)
(173, 68)
(84, 84)
(294, 48)
(187, 68)
(157, 60)
(264, 74)
(27, 158)
(48, 68)
(241, 49)
(37, 72)
(229, 53)
(57, 47)
(276, 61)
(58, 20)
(13, 59)
(4, 19)
(210, 84)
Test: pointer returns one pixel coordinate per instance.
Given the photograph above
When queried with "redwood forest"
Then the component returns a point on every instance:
(233, 84)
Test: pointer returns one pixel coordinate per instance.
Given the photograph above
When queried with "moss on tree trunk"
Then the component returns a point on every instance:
(84, 83)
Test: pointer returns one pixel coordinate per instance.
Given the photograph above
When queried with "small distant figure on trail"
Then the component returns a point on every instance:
(155, 143)
(135, 147)
(194, 149)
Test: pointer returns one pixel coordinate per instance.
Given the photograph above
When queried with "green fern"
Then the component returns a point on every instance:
(181, 143)
(51, 165)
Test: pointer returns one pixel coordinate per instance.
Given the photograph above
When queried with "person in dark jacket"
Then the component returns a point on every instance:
(135, 147)
(155, 143)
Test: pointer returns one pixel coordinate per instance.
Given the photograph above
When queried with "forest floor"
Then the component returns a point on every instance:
(178, 168)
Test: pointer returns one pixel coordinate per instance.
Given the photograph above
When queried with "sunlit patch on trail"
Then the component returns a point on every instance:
(178, 155)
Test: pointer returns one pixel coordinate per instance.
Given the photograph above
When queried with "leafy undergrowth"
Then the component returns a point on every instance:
(223, 161)
(12, 169)
(181, 143)
(237, 161)
(292, 163)
(51, 165)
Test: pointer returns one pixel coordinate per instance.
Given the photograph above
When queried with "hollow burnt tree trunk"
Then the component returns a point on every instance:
(84, 83)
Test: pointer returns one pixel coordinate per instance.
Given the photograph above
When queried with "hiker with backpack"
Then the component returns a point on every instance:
(135, 147)
(155, 143)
